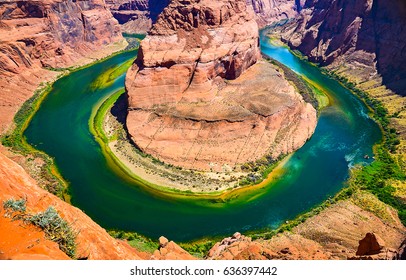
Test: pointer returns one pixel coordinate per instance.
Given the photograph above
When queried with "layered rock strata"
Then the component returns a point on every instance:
(336, 233)
(93, 242)
(136, 16)
(363, 41)
(365, 34)
(196, 101)
(38, 36)
(270, 11)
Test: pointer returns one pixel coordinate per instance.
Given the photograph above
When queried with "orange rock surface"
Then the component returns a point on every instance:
(198, 99)
(18, 241)
(35, 35)
(335, 233)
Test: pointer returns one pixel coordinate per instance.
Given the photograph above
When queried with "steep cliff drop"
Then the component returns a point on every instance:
(93, 242)
(362, 41)
(199, 100)
(39, 36)
(364, 34)
(269, 11)
(136, 16)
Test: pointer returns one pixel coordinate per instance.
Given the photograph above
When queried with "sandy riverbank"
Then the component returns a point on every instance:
(168, 178)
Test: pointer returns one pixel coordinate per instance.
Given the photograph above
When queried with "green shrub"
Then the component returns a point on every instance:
(12, 205)
(56, 229)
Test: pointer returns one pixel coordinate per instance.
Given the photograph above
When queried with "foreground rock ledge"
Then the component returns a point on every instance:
(198, 99)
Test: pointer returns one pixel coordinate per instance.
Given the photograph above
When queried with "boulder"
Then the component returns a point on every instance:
(371, 244)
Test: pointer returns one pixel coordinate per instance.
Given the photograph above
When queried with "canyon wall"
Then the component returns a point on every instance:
(198, 100)
(367, 34)
(93, 242)
(38, 36)
(136, 16)
(269, 11)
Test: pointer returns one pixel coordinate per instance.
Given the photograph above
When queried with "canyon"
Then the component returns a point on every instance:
(38, 37)
(137, 16)
(198, 99)
(362, 41)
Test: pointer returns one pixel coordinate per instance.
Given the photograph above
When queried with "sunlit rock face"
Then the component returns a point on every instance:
(366, 34)
(198, 98)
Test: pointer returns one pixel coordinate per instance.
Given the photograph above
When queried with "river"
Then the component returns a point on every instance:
(343, 136)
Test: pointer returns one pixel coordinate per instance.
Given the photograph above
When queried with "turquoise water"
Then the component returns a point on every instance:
(343, 136)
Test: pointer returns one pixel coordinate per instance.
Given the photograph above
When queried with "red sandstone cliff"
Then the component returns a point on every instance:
(93, 241)
(269, 11)
(136, 16)
(368, 35)
(196, 103)
(48, 34)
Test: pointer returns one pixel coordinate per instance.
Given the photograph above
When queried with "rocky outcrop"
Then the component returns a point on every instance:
(93, 242)
(169, 250)
(368, 35)
(136, 16)
(342, 231)
(371, 244)
(196, 102)
(40, 35)
(54, 33)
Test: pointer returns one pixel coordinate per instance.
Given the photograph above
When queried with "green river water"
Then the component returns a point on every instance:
(317, 171)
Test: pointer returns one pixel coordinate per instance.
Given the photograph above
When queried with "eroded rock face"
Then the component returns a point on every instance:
(136, 16)
(93, 242)
(182, 109)
(55, 32)
(367, 34)
(35, 35)
(269, 11)
(257, 115)
(371, 244)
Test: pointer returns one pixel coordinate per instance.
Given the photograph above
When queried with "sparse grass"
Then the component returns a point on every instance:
(137, 241)
(371, 203)
(17, 142)
(55, 228)
(199, 249)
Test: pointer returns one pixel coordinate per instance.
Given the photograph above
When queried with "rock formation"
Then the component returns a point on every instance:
(364, 34)
(48, 34)
(338, 232)
(136, 16)
(371, 244)
(184, 112)
(93, 241)
(169, 250)
(269, 11)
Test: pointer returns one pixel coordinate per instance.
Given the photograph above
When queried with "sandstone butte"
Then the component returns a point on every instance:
(198, 99)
